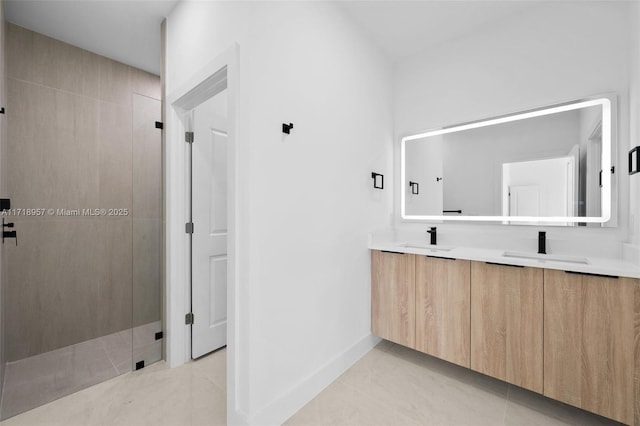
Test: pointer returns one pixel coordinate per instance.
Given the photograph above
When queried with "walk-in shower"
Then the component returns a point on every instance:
(83, 169)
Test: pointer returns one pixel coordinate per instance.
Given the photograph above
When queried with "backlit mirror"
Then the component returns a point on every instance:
(548, 166)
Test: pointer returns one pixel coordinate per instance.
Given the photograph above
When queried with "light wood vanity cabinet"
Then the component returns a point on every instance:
(443, 295)
(393, 297)
(572, 337)
(506, 323)
(592, 343)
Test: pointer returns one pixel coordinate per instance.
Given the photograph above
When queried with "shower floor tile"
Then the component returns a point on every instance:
(37, 380)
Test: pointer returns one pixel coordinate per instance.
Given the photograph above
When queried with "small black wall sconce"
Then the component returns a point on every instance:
(286, 128)
(378, 180)
(633, 160)
(415, 188)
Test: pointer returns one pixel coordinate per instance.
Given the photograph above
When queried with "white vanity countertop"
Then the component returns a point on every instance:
(595, 265)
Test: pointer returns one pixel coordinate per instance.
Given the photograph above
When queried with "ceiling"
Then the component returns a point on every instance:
(129, 30)
(403, 28)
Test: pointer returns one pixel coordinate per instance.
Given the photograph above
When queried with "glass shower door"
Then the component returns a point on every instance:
(147, 232)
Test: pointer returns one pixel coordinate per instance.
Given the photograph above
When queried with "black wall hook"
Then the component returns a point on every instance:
(286, 128)
(378, 180)
(634, 164)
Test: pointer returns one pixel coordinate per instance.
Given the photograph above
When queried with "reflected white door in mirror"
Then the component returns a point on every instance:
(544, 166)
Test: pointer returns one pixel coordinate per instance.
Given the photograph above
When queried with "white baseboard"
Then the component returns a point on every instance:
(297, 397)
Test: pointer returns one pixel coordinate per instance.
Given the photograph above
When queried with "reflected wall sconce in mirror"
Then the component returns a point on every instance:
(378, 180)
(415, 188)
(633, 160)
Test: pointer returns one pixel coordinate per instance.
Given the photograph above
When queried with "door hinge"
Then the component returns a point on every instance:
(188, 319)
(159, 125)
(188, 228)
(188, 137)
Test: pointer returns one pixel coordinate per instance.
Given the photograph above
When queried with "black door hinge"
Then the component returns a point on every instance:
(188, 228)
(159, 125)
(188, 137)
(189, 319)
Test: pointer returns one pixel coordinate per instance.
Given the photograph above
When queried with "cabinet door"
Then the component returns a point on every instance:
(393, 297)
(506, 323)
(589, 335)
(443, 295)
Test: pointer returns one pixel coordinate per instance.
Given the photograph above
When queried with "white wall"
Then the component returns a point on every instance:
(634, 184)
(555, 52)
(306, 200)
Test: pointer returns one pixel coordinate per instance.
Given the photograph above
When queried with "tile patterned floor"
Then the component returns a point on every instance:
(394, 385)
(193, 394)
(43, 378)
(390, 386)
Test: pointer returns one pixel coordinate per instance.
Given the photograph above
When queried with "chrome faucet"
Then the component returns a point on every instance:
(542, 242)
(434, 235)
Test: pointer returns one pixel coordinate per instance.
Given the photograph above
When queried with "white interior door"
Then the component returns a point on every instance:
(209, 239)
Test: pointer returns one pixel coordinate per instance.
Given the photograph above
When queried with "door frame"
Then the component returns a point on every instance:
(202, 85)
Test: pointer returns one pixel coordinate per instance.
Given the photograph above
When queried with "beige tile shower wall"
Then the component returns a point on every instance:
(72, 144)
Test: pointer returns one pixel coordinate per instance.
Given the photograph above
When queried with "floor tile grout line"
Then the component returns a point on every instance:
(367, 395)
(222, 388)
(506, 405)
(111, 361)
(4, 381)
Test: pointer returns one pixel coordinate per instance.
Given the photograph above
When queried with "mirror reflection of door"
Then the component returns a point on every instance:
(524, 200)
(539, 188)
(424, 160)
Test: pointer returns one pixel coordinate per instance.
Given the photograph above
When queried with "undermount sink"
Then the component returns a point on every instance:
(427, 247)
(546, 257)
